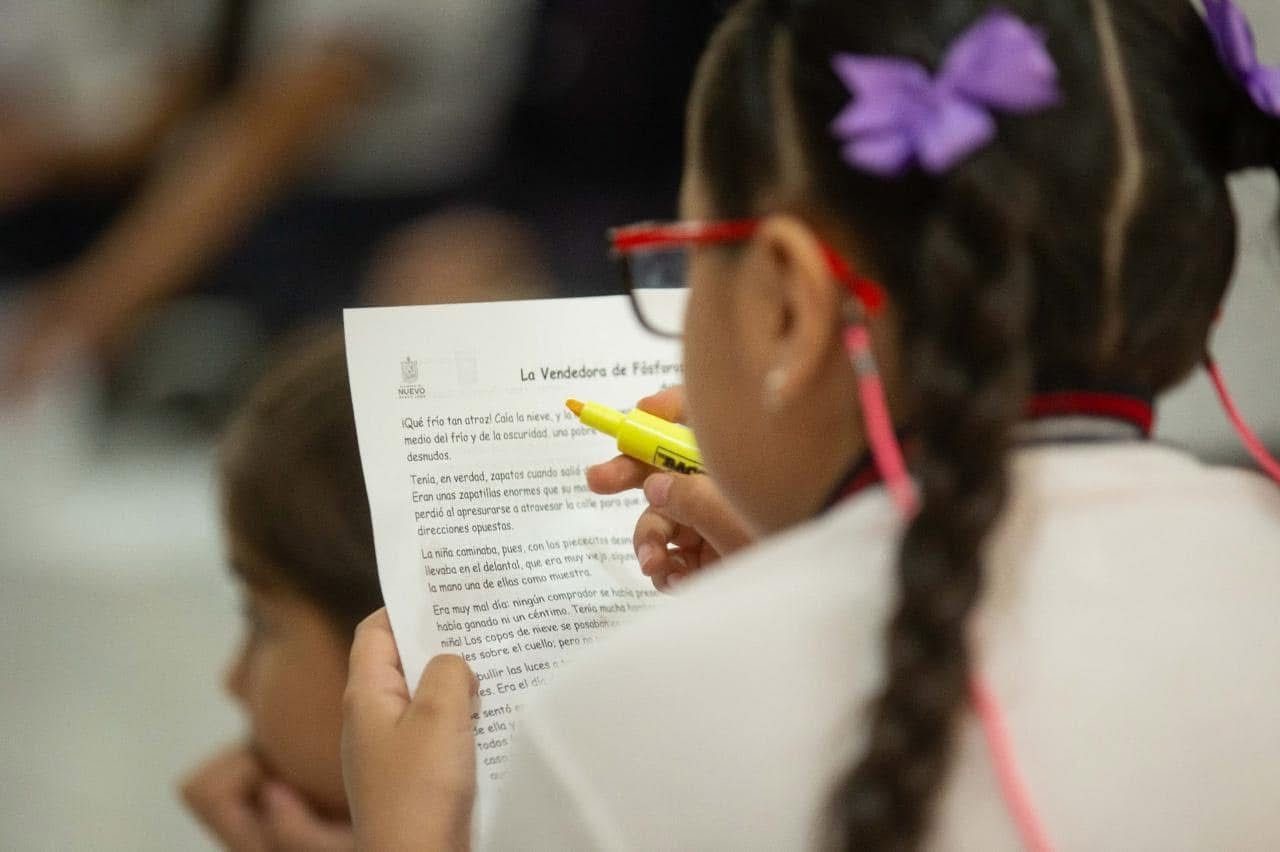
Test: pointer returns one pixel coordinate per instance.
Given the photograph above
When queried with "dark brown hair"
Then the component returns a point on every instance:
(1088, 246)
(292, 487)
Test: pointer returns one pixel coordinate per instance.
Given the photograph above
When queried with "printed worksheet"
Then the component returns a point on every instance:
(489, 544)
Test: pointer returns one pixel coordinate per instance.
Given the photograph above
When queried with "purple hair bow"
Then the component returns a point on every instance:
(901, 116)
(1233, 37)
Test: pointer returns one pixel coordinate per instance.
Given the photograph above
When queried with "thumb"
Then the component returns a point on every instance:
(694, 501)
(445, 740)
(445, 692)
(291, 824)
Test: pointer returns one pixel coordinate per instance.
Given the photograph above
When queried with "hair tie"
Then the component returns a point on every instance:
(901, 116)
(1233, 38)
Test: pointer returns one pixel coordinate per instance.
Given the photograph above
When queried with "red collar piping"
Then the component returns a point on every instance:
(1120, 408)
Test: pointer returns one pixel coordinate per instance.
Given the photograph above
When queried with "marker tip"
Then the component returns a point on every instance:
(575, 406)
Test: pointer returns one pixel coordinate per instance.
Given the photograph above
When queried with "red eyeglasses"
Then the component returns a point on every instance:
(653, 257)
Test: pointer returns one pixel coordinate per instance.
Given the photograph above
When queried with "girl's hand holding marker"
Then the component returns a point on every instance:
(689, 524)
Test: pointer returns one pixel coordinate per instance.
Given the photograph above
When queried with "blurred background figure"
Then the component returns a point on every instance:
(598, 131)
(181, 182)
(467, 255)
(260, 154)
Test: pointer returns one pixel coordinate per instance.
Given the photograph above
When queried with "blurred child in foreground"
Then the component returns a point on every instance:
(300, 544)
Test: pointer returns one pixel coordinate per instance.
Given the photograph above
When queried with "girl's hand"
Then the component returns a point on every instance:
(247, 812)
(409, 764)
(689, 524)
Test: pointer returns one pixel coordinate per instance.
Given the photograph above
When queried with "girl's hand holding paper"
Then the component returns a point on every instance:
(409, 762)
(688, 524)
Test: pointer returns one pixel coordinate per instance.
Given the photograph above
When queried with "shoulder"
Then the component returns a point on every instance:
(744, 681)
(730, 710)
(1134, 468)
(1132, 601)
(827, 567)
(1110, 492)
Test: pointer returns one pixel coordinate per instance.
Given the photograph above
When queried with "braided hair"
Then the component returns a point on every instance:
(1087, 246)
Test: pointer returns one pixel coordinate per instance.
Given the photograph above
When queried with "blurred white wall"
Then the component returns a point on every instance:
(116, 616)
(1247, 343)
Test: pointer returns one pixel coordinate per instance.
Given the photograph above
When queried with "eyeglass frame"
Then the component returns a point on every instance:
(628, 240)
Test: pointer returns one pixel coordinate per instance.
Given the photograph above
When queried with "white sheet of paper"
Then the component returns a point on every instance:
(488, 543)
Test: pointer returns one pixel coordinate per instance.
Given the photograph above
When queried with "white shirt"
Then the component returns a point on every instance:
(94, 69)
(1129, 629)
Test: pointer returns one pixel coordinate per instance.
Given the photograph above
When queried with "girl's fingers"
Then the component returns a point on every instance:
(687, 538)
(445, 693)
(688, 523)
(653, 532)
(409, 776)
(672, 562)
(677, 565)
(617, 475)
(665, 549)
(695, 502)
(623, 473)
(375, 680)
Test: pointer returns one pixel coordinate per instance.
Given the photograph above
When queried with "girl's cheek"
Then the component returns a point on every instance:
(235, 677)
(262, 673)
(696, 347)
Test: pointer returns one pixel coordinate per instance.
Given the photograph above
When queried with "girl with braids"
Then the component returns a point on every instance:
(1039, 625)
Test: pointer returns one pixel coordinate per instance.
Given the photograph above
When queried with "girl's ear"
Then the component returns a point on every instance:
(804, 306)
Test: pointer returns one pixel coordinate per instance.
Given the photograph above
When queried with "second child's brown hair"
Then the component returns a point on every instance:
(294, 498)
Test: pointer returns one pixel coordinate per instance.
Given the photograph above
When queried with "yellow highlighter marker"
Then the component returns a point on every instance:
(644, 437)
